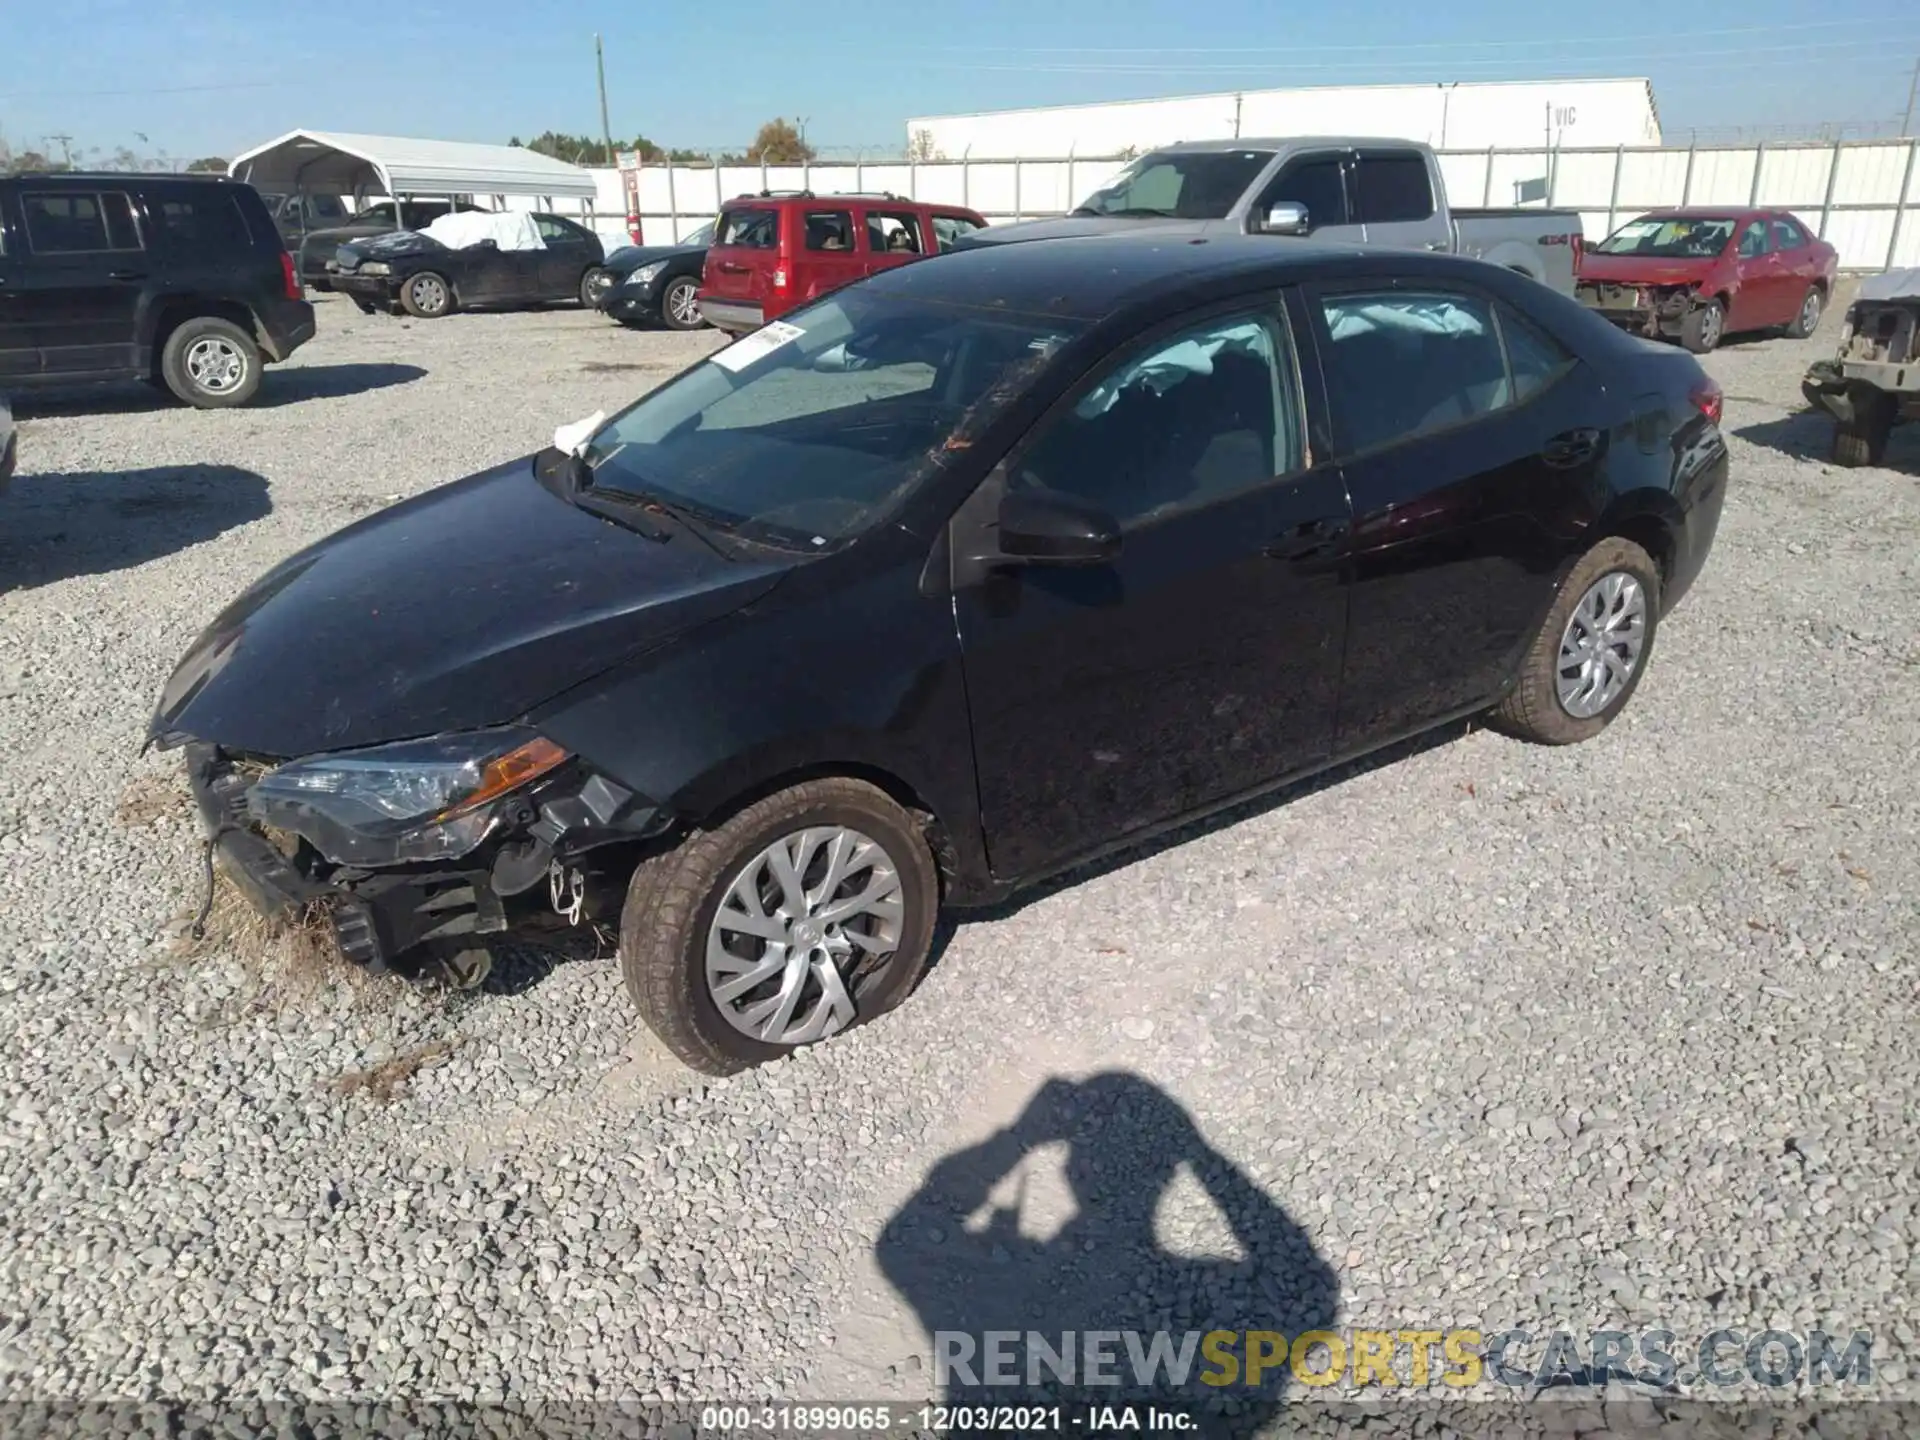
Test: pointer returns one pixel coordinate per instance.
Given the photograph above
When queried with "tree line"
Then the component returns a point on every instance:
(30, 161)
(778, 142)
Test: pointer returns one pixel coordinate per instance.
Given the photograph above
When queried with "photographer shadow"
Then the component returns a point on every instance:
(1105, 1268)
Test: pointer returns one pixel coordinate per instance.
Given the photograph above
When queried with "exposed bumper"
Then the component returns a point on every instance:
(265, 876)
(1646, 310)
(734, 316)
(377, 288)
(624, 304)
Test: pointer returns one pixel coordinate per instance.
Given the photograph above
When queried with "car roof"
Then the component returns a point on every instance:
(1277, 142)
(121, 177)
(1127, 276)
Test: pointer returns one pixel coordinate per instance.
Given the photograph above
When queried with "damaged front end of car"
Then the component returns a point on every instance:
(1655, 311)
(1873, 382)
(436, 842)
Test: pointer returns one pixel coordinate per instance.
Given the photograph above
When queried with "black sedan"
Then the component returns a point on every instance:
(955, 578)
(654, 284)
(411, 272)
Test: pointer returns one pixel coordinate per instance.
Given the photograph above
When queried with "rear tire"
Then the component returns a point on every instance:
(427, 296)
(1535, 710)
(1704, 327)
(1863, 440)
(597, 282)
(1807, 319)
(210, 363)
(678, 309)
(668, 930)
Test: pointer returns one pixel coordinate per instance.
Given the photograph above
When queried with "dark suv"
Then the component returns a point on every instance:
(176, 279)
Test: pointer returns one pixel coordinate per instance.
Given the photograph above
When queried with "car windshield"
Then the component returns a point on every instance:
(804, 433)
(702, 236)
(1673, 237)
(1190, 185)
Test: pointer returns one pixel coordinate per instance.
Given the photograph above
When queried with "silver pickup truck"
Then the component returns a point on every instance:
(1373, 192)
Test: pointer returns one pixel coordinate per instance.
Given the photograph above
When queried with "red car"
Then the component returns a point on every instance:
(776, 250)
(1700, 275)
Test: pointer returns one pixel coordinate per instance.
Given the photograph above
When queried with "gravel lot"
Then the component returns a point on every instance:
(1609, 1036)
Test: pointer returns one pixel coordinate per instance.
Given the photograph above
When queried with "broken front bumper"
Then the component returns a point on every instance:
(1646, 310)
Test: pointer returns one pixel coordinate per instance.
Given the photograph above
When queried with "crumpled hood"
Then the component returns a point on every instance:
(1642, 269)
(1071, 225)
(464, 607)
(390, 244)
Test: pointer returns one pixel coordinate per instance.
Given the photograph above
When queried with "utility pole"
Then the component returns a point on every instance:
(606, 130)
(66, 148)
(1913, 88)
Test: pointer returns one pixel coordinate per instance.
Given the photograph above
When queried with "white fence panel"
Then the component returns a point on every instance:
(1464, 173)
(1722, 177)
(1649, 178)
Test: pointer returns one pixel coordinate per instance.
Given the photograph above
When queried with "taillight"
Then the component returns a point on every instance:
(779, 277)
(290, 277)
(1708, 400)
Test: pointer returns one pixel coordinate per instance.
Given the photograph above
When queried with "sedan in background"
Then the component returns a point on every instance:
(528, 260)
(942, 584)
(654, 284)
(318, 247)
(1701, 275)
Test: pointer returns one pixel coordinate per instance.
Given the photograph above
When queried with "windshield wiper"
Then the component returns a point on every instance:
(581, 491)
(1139, 212)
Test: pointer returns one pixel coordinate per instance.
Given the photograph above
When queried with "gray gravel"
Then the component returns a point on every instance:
(1605, 1036)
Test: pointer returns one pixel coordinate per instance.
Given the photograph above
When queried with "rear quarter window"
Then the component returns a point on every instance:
(751, 229)
(204, 221)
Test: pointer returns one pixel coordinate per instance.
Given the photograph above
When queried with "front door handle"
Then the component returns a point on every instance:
(1573, 447)
(1307, 540)
(126, 274)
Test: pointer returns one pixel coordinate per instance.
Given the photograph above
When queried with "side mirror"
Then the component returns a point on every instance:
(1042, 527)
(1289, 217)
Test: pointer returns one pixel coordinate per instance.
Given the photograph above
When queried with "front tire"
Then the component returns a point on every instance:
(1704, 327)
(427, 296)
(596, 282)
(679, 306)
(805, 913)
(1591, 650)
(211, 363)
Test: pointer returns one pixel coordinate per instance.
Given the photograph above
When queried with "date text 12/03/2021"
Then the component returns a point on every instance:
(920, 1417)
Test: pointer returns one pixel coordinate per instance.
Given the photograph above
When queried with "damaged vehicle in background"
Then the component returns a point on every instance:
(317, 246)
(654, 284)
(1874, 382)
(938, 586)
(471, 260)
(1697, 276)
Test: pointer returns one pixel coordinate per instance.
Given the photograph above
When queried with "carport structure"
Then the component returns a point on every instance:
(329, 162)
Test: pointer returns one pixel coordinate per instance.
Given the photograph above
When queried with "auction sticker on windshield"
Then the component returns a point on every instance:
(749, 348)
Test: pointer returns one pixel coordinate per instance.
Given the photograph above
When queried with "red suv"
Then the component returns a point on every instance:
(776, 250)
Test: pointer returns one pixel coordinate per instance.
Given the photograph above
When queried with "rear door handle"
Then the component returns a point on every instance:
(1306, 540)
(1574, 447)
(126, 274)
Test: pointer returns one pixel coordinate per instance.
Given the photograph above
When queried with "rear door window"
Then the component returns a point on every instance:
(1315, 182)
(752, 229)
(1753, 240)
(194, 221)
(1402, 364)
(1788, 236)
(891, 232)
(829, 230)
(78, 222)
(1392, 186)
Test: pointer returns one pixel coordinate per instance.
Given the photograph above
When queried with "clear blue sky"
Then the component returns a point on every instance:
(214, 76)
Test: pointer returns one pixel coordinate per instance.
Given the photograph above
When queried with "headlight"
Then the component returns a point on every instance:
(417, 800)
(647, 273)
(376, 267)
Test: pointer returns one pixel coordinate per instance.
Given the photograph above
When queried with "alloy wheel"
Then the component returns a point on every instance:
(683, 304)
(1600, 648)
(797, 931)
(215, 365)
(1810, 313)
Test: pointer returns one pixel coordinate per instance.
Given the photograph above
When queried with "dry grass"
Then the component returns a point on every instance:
(149, 799)
(294, 963)
(382, 1083)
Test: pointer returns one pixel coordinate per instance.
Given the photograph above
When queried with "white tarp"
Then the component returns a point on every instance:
(509, 230)
(1894, 285)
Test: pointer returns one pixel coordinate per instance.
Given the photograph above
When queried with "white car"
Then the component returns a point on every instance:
(7, 455)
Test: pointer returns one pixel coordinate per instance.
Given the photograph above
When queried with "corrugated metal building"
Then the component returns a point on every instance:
(1465, 116)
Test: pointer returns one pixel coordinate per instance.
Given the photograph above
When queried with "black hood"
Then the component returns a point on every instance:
(629, 258)
(391, 245)
(461, 608)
